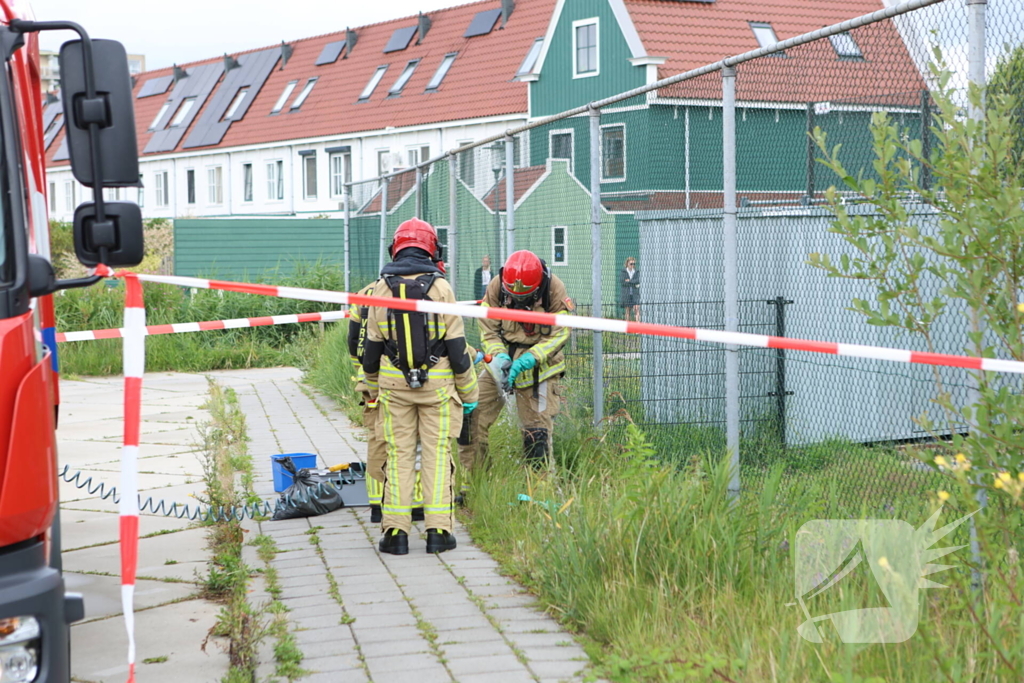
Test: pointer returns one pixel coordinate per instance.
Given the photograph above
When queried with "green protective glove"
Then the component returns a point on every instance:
(468, 408)
(527, 361)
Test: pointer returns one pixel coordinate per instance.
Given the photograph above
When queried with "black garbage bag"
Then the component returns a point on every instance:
(310, 494)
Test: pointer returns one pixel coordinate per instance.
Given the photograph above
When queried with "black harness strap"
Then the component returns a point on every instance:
(412, 350)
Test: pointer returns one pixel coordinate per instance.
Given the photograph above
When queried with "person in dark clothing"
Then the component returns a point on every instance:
(482, 278)
(629, 297)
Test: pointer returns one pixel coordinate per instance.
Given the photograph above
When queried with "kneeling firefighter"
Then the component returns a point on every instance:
(419, 371)
(376, 449)
(527, 358)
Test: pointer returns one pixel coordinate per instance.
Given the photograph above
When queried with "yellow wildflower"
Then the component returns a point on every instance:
(961, 458)
(1020, 476)
(1020, 308)
(883, 562)
(943, 496)
(1004, 477)
(941, 461)
(998, 484)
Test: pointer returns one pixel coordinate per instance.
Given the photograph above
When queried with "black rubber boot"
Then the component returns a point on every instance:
(376, 517)
(535, 446)
(395, 542)
(417, 515)
(460, 499)
(439, 541)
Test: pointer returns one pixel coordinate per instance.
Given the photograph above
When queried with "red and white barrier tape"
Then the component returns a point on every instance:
(596, 324)
(232, 324)
(134, 354)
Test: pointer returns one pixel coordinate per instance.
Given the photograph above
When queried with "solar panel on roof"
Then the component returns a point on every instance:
(400, 39)
(483, 23)
(155, 86)
(330, 53)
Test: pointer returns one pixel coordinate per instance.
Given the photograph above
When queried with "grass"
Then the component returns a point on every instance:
(102, 307)
(667, 578)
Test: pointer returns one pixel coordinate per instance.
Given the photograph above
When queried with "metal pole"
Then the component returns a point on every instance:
(383, 257)
(731, 272)
(510, 195)
(811, 150)
(595, 258)
(419, 192)
(686, 161)
(926, 141)
(348, 235)
(976, 56)
(453, 219)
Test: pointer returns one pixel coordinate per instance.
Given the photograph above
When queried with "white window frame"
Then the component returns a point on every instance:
(403, 78)
(53, 197)
(442, 72)
(163, 194)
(838, 39)
(375, 79)
(182, 112)
(69, 195)
(305, 177)
(572, 144)
(596, 21)
(338, 180)
(285, 94)
(215, 185)
(623, 178)
(565, 245)
(247, 182)
(275, 180)
(530, 60)
(300, 99)
(765, 25)
(160, 115)
(380, 169)
(140, 198)
(190, 188)
(240, 96)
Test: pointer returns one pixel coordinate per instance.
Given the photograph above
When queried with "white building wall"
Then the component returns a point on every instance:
(364, 149)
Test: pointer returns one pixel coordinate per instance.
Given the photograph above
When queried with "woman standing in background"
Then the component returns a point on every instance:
(629, 297)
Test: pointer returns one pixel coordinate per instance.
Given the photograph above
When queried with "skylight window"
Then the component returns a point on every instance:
(765, 35)
(308, 88)
(846, 47)
(183, 111)
(235, 104)
(160, 115)
(531, 58)
(442, 71)
(407, 72)
(374, 82)
(400, 39)
(279, 105)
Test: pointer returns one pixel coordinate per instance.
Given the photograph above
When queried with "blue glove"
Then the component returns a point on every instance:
(468, 408)
(527, 361)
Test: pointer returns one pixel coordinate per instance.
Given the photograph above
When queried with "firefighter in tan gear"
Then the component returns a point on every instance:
(376, 449)
(527, 358)
(419, 370)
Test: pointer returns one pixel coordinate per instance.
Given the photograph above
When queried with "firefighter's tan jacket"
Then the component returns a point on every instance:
(544, 342)
(355, 331)
(378, 329)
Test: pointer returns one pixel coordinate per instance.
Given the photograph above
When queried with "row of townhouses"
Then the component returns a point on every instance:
(277, 131)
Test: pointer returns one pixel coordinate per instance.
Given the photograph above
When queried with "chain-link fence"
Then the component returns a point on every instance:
(697, 201)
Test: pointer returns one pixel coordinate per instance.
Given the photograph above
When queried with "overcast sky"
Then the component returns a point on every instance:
(179, 31)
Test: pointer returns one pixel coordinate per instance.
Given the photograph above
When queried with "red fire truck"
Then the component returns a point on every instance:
(35, 610)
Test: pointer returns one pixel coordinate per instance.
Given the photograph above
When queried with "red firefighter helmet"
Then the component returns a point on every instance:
(523, 275)
(416, 233)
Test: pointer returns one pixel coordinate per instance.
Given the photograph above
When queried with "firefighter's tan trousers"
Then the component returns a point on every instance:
(431, 416)
(377, 457)
(534, 413)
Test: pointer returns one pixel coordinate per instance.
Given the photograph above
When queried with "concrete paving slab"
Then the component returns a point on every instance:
(178, 555)
(103, 593)
(98, 648)
(81, 529)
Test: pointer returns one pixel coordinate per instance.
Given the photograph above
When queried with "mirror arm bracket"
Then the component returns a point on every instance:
(24, 26)
(75, 283)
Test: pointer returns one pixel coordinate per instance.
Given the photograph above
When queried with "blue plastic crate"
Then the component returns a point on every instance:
(282, 477)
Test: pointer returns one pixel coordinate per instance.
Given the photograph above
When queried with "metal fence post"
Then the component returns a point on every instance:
(510, 195)
(383, 256)
(811, 153)
(453, 220)
(595, 258)
(731, 273)
(419, 192)
(976, 55)
(348, 236)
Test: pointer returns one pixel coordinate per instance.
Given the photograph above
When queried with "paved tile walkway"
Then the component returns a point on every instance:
(422, 618)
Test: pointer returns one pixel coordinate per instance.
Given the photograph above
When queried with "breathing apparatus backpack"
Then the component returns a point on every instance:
(412, 351)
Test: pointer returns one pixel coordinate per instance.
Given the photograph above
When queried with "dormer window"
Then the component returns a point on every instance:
(407, 73)
(846, 47)
(285, 94)
(531, 58)
(303, 94)
(441, 72)
(586, 52)
(765, 35)
(374, 82)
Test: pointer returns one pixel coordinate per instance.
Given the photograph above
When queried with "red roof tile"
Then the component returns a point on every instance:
(479, 83)
(692, 34)
(523, 179)
(399, 186)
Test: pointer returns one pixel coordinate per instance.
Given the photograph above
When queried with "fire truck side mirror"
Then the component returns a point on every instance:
(109, 106)
(115, 241)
